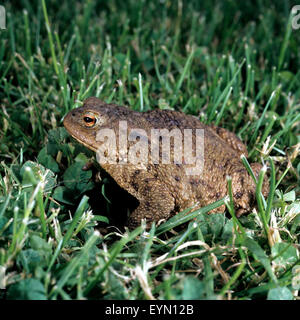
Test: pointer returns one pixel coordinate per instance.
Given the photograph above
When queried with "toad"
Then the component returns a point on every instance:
(146, 154)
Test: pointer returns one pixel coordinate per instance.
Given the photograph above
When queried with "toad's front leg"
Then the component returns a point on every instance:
(156, 203)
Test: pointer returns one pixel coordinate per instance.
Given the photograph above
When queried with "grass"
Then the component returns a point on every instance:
(231, 63)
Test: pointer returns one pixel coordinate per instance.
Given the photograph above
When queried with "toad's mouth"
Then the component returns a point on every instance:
(87, 145)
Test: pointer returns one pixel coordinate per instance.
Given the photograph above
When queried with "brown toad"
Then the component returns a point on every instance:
(164, 186)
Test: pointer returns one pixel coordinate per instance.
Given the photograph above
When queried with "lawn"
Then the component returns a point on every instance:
(235, 64)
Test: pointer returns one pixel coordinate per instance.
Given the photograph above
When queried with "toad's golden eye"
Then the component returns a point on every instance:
(89, 120)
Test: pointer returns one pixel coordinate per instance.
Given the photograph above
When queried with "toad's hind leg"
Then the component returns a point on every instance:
(231, 139)
(156, 203)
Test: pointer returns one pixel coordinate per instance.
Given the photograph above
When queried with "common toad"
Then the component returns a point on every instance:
(164, 189)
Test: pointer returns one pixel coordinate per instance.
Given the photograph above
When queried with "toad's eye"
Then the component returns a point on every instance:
(89, 120)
